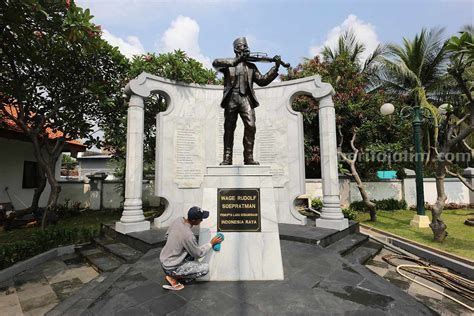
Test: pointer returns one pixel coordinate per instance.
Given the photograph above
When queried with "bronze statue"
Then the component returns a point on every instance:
(239, 96)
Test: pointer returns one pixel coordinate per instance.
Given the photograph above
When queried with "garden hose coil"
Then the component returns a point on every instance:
(447, 280)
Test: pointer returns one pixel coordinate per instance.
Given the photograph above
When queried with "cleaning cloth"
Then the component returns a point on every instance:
(217, 247)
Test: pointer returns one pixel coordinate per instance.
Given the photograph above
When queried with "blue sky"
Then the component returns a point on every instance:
(294, 29)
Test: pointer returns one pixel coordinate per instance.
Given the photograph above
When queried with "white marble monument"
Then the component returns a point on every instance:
(190, 139)
(252, 255)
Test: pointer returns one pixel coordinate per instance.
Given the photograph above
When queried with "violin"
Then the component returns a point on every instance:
(262, 57)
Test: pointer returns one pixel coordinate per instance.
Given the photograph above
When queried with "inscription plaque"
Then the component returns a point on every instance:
(238, 210)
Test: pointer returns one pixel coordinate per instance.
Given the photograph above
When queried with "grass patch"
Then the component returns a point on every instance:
(460, 240)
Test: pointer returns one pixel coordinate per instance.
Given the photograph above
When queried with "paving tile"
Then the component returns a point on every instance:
(380, 271)
(111, 305)
(419, 290)
(30, 276)
(397, 280)
(9, 303)
(40, 310)
(189, 309)
(32, 288)
(39, 301)
(52, 268)
(66, 288)
(429, 283)
(83, 273)
(168, 303)
(134, 311)
(145, 292)
(379, 264)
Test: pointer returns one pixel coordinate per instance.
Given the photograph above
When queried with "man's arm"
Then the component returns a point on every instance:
(192, 247)
(221, 63)
(263, 80)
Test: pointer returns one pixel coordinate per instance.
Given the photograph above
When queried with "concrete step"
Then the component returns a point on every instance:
(364, 252)
(120, 250)
(348, 243)
(98, 258)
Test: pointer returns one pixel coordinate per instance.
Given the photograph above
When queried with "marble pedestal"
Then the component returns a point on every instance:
(244, 255)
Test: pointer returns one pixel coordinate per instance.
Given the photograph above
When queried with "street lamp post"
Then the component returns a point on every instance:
(420, 220)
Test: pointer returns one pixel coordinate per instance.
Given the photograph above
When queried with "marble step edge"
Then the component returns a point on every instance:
(77, 303)
(92, 258)
(348, 243)
(107, 244)
(108, 230)
(364, 252)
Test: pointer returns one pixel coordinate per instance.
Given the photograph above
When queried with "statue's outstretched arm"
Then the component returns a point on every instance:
(220, 63)
(263, 80)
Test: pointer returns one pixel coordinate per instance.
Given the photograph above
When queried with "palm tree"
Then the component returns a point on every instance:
(418, 71)
(350, 47)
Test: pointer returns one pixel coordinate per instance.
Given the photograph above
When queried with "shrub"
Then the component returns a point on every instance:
(42, 241)
(385, 204)
(317, 204)
(349, 213)
(391, 204)
(358, 206)
(68, 209)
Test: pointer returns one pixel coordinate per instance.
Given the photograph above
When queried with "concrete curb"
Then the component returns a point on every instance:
(464, 267)
(21, 266)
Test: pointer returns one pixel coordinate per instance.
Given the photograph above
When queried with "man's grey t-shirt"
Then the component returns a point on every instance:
(181, 242)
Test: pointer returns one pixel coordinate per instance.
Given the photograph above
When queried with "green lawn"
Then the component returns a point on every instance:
(460, 240)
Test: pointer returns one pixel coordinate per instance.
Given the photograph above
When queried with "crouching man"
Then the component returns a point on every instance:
(181, 248)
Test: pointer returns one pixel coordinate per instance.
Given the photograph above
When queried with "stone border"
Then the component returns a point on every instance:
(460, 265)
(24, 265)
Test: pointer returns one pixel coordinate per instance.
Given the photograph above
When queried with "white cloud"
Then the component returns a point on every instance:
(364, 32)
(129, 47)
(183, 34)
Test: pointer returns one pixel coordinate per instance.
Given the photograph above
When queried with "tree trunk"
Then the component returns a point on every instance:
(365, 197)
(437, 225)
(54, 194)
(39, 190)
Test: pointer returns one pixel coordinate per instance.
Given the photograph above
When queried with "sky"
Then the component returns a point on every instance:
(294, 29)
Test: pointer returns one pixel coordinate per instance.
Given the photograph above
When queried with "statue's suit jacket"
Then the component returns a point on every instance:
(228, 67)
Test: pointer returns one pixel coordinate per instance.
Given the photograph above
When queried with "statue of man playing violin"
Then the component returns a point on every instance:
(239, 97)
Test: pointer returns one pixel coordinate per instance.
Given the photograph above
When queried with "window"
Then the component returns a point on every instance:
(30, 175)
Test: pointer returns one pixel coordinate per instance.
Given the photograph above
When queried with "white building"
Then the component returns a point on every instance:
(18, 168)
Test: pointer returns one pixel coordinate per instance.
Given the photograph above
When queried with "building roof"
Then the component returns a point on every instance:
(9, 129)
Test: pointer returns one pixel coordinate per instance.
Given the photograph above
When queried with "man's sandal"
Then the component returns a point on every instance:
(173, 287)
(176, 287)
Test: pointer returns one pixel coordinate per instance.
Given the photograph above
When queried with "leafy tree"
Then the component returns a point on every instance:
(418, 72)
(57, 76)
(457, 124)
(360, 126)
(174, 66)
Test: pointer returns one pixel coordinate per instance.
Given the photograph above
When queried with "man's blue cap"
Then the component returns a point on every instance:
(197, 213)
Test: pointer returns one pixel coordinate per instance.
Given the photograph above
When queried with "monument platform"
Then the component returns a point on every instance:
(318, 281)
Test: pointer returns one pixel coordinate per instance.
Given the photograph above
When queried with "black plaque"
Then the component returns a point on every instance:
(238, 210)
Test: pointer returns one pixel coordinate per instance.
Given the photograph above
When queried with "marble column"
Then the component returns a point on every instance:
(331, 214)
(132, 219)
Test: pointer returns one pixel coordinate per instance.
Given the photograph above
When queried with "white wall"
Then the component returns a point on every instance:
(455, 190)
(13, 153)
(80, 191)
(397, 189)
(387, 189)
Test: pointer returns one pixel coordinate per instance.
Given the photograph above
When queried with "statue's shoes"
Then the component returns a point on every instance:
(226, 163)
(251, 162)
